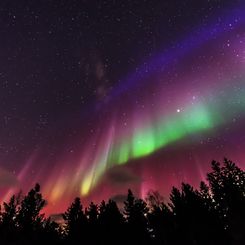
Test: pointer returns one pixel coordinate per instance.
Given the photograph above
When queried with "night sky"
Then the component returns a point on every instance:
(100, 96)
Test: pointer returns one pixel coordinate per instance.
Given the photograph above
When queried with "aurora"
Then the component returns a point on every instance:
(92, 106)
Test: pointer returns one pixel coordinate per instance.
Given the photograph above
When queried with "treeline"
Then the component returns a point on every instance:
(213, 214)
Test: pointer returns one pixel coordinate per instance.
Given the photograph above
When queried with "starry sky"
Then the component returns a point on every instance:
(100, 96)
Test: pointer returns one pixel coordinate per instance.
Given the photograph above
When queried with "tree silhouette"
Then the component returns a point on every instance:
(135, 211)
(22, 223)
(50, 233)
(111, 223)
(92, 214)
(227, 184)
(29, 217)
(8, 227)
(195, 219)
(183, 216)
(160, 219)
(212, 225)
(214, 214)
(76, 220)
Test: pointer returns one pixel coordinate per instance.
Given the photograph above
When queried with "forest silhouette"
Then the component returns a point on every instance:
(210, 215)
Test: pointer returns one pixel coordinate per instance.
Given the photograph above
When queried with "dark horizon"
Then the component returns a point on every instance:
(101, 96)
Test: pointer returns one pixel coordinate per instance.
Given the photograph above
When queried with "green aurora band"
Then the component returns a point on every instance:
(196, 118)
